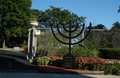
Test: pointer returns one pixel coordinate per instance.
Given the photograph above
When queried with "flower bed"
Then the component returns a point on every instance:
(94, 64)
(112, 59)
(82, 64)
(54, 57)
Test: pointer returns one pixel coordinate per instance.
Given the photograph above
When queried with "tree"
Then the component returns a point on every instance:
(14, 18)
(34, 14)
(119, 9)
(57, 14)
(116, 25)
(99, 26)
(62, 15)
(115, 28)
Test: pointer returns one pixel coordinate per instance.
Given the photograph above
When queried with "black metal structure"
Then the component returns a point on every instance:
(70, 31)
(69, 60)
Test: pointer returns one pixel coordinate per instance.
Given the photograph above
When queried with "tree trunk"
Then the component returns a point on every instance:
(3, 43)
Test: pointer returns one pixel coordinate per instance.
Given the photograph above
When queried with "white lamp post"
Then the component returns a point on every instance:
(32, 40)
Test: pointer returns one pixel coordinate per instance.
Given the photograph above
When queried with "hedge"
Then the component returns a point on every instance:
(110, 53)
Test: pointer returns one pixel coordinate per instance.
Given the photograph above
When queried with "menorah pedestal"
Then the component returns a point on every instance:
(68, 61)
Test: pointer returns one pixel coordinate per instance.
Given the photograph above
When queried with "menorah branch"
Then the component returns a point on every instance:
(70, 32)
(60, 32)
(56, 36)
(84, 37)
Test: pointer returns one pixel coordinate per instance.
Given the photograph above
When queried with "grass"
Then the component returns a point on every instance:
(11, 49)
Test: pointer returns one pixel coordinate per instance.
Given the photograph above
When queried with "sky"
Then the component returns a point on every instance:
(98, 11)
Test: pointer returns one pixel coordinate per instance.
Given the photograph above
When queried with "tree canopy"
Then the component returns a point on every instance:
(14, 18)
(57, 14)
(119, 9)
(116, 25)
(34, 14)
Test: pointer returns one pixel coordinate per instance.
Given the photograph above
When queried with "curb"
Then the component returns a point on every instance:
(91, 72)
(42, 70)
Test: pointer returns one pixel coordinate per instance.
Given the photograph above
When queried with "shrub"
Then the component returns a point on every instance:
(80, 51)
(63, 51)
(90, 63)
(24, 47)
(47, 51)
(43, 60)
(38, 48)
(112, 68)
(109, 45)
(41, 52)
(53, 51)
(57, 62)
(110, 53)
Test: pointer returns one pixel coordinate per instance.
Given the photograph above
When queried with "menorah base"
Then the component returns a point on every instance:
(68, 61)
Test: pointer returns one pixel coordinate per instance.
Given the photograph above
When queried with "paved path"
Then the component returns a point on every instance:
(47, 75)
(14, 61)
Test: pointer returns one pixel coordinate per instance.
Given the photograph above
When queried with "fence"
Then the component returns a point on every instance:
(46, 37)
(101, 36)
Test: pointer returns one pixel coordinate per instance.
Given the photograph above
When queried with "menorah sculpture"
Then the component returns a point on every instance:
(69, 60)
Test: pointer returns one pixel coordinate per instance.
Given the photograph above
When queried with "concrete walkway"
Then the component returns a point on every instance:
(47, 75)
